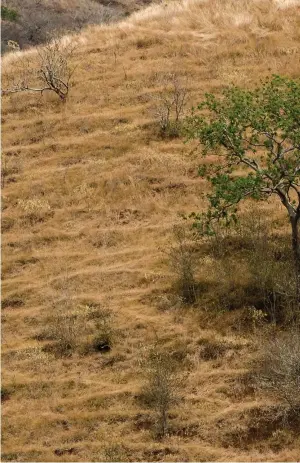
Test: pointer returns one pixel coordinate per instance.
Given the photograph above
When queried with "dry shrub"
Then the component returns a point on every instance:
(35, 209)
(104, 331)
(272, 425)
(212, 350)
(50, 71)
(170, 104)
(7, 223)
(160, 392)
(165, 302)
(273, 281)
(105, 238)
(116, 452)
(16, 300)
(254, 269)
(272, 271)
(97, 325)
(64, 330)
(274, 291)
(279, 369)
(241, 386)
(10, 167)
(252, 230)
(182, 258)
(81, 328)
(228, 291)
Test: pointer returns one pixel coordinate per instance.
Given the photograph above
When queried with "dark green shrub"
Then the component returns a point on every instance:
(8, 14)
(5, 393)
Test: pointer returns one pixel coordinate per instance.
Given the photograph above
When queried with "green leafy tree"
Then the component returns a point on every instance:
(254, 136)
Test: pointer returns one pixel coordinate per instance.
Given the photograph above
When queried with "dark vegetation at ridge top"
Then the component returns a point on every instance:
(31, 22)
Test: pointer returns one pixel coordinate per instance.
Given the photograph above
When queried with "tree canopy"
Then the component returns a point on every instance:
(254, 136)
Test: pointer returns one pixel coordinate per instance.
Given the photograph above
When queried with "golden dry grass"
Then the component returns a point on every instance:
(91, 194)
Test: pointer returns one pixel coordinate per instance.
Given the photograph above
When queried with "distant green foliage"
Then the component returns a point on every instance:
(7, 14)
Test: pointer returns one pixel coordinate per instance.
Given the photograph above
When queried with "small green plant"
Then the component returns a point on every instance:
(8, 14)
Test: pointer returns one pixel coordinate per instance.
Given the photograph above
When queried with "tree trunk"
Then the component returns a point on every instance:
(295, 242)
(163, 423)
(296, 251)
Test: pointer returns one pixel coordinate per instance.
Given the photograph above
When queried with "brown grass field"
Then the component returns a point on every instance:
(90, 196)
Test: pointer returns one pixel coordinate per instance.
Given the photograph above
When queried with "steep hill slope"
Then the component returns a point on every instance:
(90, 195)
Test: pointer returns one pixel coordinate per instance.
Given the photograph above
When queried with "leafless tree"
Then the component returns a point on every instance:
(160, 392)
(53, 71)
(170, 103)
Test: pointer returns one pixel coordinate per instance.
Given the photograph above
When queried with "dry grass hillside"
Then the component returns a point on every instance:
(91, 193)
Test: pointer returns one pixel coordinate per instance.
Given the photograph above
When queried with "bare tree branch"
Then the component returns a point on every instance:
(53, 71)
